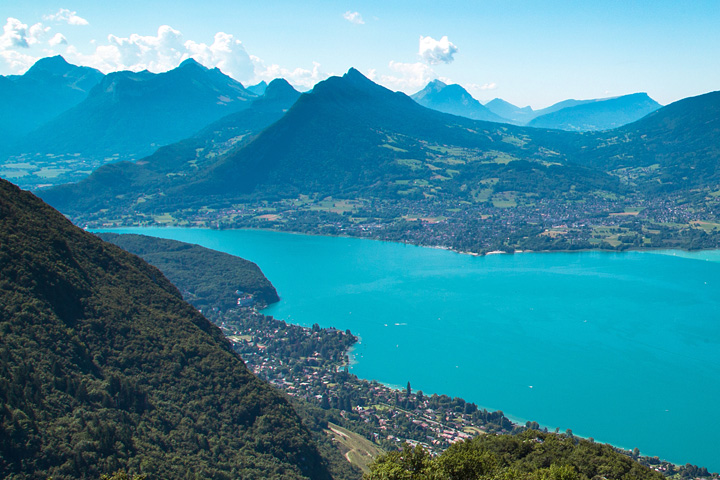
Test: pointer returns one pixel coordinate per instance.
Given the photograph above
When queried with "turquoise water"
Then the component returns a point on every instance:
(619, 347)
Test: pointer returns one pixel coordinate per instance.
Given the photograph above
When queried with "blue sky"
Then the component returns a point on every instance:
(527, 52)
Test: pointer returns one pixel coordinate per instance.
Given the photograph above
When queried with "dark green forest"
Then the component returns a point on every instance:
(207, 278)
(103, 368)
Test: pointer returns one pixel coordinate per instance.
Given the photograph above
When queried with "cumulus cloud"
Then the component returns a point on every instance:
(18, 34)
(66, 16)
(164, 51)
(157, 53)
(408, 77)
(435, 52)
(301, 78)
(225, 53)
(57, 39)
(17, 61)
(354, 17)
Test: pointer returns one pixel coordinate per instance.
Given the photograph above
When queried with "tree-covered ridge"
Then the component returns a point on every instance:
(531, 455)
(104, 367)
(207, 278)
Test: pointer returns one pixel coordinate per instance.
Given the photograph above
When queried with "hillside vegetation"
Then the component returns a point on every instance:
(103, 367)
(207, 278)
(531, 455)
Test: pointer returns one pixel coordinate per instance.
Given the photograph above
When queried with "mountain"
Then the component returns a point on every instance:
(455, 100)
(207, 278)
(350, 137)
(103, 367)
(602, 114)
(516, 115)
(144, 182)
(129, 115)
(48, 88)
(258, 89)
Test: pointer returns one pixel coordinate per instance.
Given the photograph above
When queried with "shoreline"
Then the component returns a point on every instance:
(435, 247)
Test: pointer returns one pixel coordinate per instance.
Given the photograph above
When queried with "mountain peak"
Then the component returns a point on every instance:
(357, 78)
(55, 65)
(351, 84)
(191, 62)
(279, 86)
(455, 100)
(259, 88)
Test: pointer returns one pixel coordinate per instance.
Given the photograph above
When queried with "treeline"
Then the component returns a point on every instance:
(531, 455)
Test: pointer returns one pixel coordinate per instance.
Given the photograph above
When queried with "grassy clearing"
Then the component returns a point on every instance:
(357, 449)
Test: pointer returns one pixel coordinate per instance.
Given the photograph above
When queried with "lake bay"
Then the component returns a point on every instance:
(622, 347)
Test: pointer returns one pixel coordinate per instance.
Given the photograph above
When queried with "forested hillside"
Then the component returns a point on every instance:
(104, 367)
(207, 278)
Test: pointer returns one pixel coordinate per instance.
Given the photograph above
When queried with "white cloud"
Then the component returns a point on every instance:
(301, 78)
(225, 53)
(17, 61)
(436, 51)
(16, 37)
(410, 77)
(354, 17)
(66, 16)
(157, 53)
(57, 39)
(14, 34)
(484, 86)
(17, 34)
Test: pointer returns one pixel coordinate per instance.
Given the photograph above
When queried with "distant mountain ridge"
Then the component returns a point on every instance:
(132, 114)
(517, 115)
(178, 163)
(455, 100)
(570, 115)
(48, 88)
(601, 114)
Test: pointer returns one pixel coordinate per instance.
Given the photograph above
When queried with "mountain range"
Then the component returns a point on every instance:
(351, 138)
(130, 115)
(455, 100)
(82, 119)
(105, 367)
(570, 115)
(347, 137)
(147, 182)
(601, 114)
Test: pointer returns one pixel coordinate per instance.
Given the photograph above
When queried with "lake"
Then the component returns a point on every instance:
(621, 347)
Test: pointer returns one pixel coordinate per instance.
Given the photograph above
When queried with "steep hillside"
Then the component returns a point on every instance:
(129, 115)
(103, 366)
(455, 100)
(603, 114)
(48, 88)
